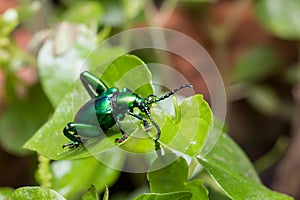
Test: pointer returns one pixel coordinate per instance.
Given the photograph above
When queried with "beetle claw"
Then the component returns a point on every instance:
(71, 145)
(120, 140)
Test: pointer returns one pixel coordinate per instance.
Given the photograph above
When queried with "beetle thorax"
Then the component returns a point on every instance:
(125, 101)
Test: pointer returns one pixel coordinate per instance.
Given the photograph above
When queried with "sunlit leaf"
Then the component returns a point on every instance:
(25, 193)
(72, 177)
(173, 178)
(58, 68)
(233, 172)
(166, 196)
(187, 131)
(106, 194)
(5, 191)
(91, 194)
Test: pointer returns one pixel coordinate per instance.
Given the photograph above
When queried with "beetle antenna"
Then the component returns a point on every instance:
(154, 99)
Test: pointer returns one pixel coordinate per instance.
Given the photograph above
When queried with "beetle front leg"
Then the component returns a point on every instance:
(154, 124)
(146, 124)
(124, 135)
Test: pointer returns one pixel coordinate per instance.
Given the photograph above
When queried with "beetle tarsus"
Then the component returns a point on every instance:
(72, 145)
(122, 139)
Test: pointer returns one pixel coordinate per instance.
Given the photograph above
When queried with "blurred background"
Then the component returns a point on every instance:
(254, 43)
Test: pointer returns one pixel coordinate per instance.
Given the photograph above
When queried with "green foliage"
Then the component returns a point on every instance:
(237, 181)
(66, 53)
(184, 132)
(198, 1)
(91, 194)
(264, 99)
(8, 22)
(20, 119)
(280, 17)
(255, 65)
(174, 177)
(84, 12)
(165, 196)
(106, 194)
(64, 114)
(25, 193)
(25, 117)
(5, 191)
(59, 62)
(69, 182)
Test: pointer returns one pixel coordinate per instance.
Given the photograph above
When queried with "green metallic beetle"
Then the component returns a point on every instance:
(107, 107)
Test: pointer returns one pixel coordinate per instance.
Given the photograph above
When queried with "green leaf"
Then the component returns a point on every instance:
(25, 193)
(174, 177)
(91, 194)
(5, 191)
(199, 1)
(264, 99)
(166, 196)
(233, 172)
(226, 154)
(280, 17)
(255, 65)
(22, 118)
(116, 74)
(27, 11)
(187, 131)
(106, 194)
(133, 7)
(128, 71)
(114, 14)
(72, 177)
(59, 62)
(84, 12)
(8, 22)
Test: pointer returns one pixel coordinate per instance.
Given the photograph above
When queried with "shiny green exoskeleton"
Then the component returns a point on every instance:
(107, 107)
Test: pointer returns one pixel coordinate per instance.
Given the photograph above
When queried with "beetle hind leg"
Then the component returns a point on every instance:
(75, 139)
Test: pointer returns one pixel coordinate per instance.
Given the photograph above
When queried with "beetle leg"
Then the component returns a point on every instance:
(154, 123)
(92, 84)
(75, 139)
(80, 131)
(124, 135)
(146, 124)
